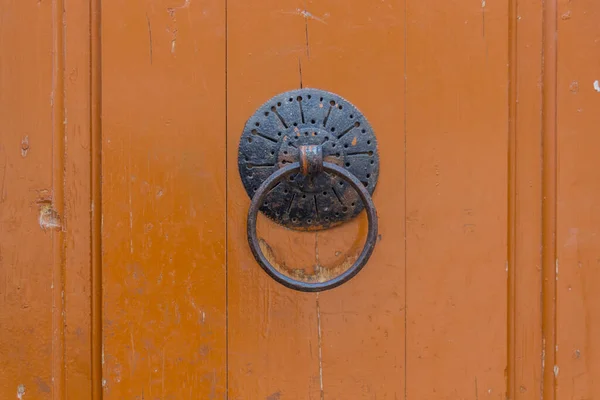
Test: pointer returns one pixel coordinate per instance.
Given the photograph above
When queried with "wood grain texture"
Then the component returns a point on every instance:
(483, 281)
(456, 146)
(577, 365)
(273, 333)
(524, 358)
(27, 264)
(77, 200)
(163, 200)
(347, 343)
(358, 52)
(45, 203)
(549, 198)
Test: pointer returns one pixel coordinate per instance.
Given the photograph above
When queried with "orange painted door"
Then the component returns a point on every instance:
(125, 270)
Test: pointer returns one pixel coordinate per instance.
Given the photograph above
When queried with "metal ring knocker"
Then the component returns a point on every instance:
(311, 162)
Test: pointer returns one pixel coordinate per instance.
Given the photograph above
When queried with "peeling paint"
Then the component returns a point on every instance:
(49, 217)
(306, 14)
(25, 146)
(597, 86)
(20, 391)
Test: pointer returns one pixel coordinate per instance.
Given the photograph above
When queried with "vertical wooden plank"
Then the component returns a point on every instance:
(357, 50)
(163, 199)
(549, 199)
(285, 344)
(457, 138)
(578, 201)
(30, 220)
(96, 197)
(76, 221)
(273, 335)
(525, 188)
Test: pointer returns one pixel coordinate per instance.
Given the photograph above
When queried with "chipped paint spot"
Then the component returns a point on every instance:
(574, 87)
(308, 15)
(354, 141)
(20, 391)
(49, 218)
(555, 370)
(597, 86)
(25, 146)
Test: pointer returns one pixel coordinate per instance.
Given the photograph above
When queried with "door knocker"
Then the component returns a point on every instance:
(308, 159)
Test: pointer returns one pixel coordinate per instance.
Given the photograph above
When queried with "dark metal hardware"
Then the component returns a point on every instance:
(308, 159)
(271, 139)
(281, 277)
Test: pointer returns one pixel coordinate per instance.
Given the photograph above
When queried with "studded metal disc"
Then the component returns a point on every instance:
(307, 117)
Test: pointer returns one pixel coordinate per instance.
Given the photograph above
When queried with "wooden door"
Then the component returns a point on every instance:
(125, 271)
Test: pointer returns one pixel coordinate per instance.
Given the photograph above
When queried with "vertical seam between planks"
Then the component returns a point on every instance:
(96, 197)
(405, 105)
(226, 211)
(549, 198)
(512, 200)
(58, 191)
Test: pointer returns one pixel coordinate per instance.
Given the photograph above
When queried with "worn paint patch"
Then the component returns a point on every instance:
(597, 86)
(25, 146)
(42, 386)
(319, 273)
(49, 217)
(20, 391)
(274, 396)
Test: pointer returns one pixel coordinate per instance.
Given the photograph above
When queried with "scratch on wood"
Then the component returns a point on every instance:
(306, 34)
(171, 12)
(163, 373)
(129, 179)
(2, 192)
(149, 36)
(300, 71)
(317, 248)
(483, 18)
(320, 349)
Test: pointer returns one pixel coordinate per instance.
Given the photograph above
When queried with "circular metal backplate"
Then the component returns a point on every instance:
(271, 139)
